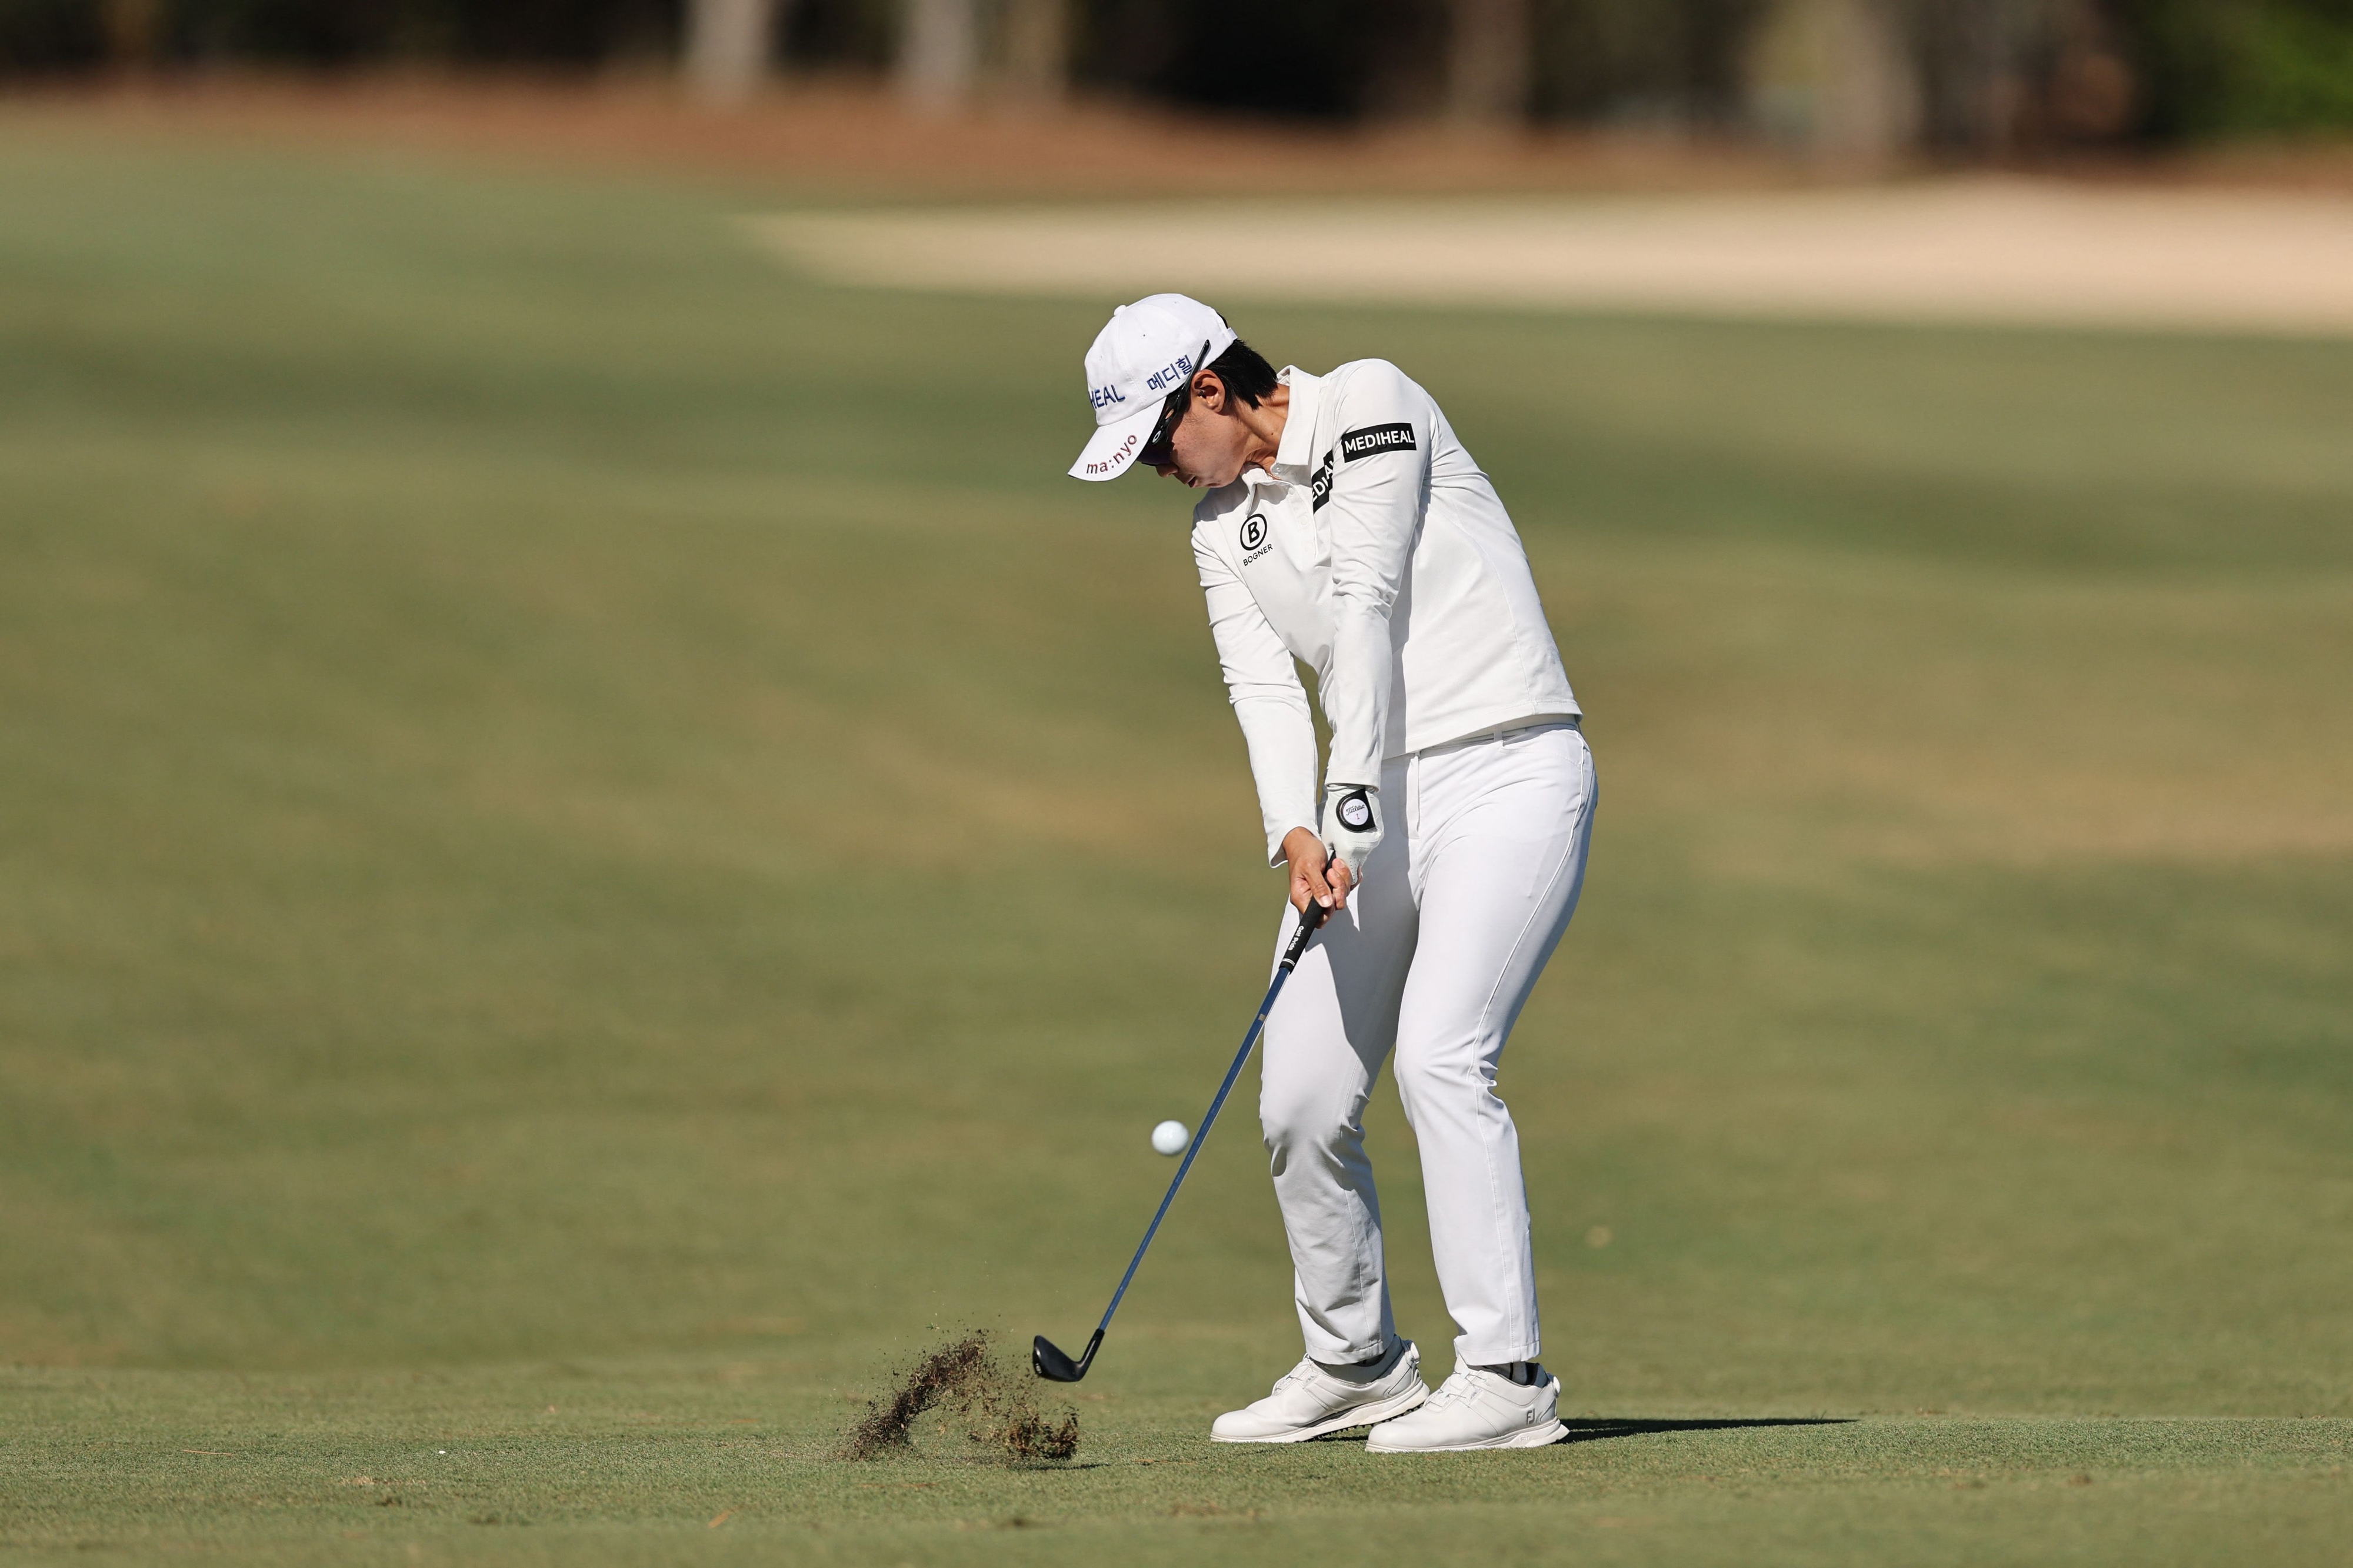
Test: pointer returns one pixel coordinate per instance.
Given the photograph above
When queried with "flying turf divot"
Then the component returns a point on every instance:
(992, 1400)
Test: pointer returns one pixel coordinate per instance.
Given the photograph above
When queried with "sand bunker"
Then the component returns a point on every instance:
(1979, 250)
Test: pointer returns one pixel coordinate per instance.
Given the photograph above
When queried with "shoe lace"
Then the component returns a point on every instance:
(1295, 1374)
(1454, 1390)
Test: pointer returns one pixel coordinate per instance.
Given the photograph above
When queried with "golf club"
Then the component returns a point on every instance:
(1050, 1360)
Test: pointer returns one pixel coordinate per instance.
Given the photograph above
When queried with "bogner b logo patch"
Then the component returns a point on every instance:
(1256, 538)
(1371, 438)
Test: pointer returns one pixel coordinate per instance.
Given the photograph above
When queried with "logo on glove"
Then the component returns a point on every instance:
(1356, 812)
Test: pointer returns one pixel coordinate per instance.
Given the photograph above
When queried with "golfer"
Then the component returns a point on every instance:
(1342, 524)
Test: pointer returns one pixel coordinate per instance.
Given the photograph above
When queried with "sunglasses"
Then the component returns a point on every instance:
(1156, 450)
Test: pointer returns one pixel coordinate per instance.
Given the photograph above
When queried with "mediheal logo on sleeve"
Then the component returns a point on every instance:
(1372, 438)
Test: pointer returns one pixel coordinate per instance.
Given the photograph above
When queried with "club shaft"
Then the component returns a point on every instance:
(1283, 972)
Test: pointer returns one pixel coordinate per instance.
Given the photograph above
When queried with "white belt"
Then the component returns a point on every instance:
(1480, 737)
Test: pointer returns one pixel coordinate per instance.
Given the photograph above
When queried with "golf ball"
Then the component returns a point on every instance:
(1170, 1138)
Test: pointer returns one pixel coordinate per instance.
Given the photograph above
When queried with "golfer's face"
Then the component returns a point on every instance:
(1206, 450)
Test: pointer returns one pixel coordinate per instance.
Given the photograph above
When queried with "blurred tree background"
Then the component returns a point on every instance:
(1866, 77)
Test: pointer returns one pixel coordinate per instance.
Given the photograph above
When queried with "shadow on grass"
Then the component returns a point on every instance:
(1597, 1428)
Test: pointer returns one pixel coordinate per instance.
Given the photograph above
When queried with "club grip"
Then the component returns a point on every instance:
(1309, 920)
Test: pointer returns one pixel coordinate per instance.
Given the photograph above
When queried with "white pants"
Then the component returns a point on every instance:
(1463, 903)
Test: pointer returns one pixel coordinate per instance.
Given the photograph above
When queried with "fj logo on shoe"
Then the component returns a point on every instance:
(1356, 812)
(1255, 531)
(1372, 438)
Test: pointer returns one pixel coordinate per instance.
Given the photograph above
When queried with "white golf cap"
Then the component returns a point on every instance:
(1145, 351)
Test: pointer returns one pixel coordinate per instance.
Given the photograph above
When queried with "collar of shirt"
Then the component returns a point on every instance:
(1294, 455)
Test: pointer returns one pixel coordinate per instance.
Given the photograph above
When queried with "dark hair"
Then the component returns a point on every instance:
(1244, 371)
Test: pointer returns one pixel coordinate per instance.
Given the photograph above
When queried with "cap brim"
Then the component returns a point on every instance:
(1113, 450)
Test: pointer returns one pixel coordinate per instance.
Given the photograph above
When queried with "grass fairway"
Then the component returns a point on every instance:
(569, 890)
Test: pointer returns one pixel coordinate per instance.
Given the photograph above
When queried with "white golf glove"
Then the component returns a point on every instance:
(1352, 826)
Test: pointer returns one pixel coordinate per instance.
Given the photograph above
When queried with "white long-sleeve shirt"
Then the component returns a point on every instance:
(1377, 553)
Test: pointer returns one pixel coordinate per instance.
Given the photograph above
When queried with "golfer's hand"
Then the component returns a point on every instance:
(1352, 830)
(1309, 885)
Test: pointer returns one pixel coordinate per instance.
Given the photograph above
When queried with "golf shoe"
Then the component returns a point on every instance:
(1308, 1402)
(1476, 1408)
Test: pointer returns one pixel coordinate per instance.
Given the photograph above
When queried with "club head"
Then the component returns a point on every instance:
(1046, 1359)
